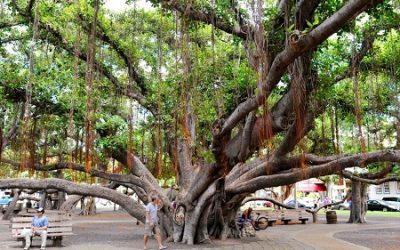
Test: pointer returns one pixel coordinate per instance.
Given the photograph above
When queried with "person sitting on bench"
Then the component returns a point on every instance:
(39, 227)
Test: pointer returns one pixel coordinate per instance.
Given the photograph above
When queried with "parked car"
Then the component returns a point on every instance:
(5, 200)
(380, 205)
(396, 199)
(308, 202)
(291, 203)
(394, 203)
(342, 206)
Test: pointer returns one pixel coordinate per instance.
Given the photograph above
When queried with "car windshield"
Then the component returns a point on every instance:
(383, 202)
(391, 199)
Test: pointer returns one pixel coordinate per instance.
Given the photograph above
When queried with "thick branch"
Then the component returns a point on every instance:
(351, 176)
(139, 169)
(8, 25)
(266, 199)
(93, 172)
(298, 45)
(11, 39)
(246, 136)
(185, 167)
(132, 207)
(379, 174)
(294, 176)
(293, 136)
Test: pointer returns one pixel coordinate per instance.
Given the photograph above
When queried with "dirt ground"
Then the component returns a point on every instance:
(105, 230)
(389, 238)
(109, 230)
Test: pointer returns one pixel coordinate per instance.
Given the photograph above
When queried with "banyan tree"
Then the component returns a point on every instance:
(226, 97)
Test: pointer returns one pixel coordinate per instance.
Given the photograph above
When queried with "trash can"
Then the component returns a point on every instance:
(331, 217)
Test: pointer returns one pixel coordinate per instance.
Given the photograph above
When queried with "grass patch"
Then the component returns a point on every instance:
(369, 213)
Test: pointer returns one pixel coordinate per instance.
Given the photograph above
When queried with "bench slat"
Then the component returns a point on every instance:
(59, 229)
(33, 211)
(49, 230)
(48, 235)
(29, 219)
(52, 224)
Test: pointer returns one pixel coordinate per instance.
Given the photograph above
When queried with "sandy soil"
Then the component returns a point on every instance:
(105, 230)
(389, 238)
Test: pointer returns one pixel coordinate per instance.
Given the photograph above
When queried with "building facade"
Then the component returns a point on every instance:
(388, 189)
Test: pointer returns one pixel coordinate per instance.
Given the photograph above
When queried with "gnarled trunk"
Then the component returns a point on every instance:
(12, 206)
(358, 203)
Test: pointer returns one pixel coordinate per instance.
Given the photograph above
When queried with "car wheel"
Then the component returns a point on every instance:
(384, 209)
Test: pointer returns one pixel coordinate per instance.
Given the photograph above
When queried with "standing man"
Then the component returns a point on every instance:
(152, 223)
(39, 227)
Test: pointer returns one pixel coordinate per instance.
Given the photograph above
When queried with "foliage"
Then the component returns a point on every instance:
(218, 76)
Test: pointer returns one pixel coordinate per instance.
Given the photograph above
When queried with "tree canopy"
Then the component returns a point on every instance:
(224, 97)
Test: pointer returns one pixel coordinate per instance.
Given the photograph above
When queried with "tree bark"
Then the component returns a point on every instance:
(358, 202)
(13, 205)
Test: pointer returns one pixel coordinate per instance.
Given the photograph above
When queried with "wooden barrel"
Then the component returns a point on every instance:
(331, 217)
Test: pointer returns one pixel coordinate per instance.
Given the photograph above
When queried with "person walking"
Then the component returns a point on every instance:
(39, 227)
(152, 223)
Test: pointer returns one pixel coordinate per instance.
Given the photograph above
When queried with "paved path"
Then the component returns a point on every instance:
(120, 232)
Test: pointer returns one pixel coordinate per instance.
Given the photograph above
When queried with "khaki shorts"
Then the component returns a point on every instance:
(148, 229)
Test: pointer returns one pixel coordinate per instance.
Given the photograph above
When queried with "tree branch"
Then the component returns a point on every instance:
(298, 45)
(242, 30)
(132, 207)
(246, 137)
(296, 175)
(8, 25)
(266, 199)
(351, 176)
(11, 39)
(93, 172)
(13, 130)
(185, 167)
(102, 35)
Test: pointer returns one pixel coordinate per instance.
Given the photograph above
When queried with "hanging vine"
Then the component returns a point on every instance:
(130, 86)
(25, 161)
(159, 157)
(89, 87)
(357, 104)
(333, 127)
(323, 133)
(71, 127)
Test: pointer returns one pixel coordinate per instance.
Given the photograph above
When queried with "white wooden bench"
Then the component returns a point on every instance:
(288, 215)
(273, 216)
(60, 225)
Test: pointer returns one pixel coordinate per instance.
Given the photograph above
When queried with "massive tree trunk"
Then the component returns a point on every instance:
(358, 202)
(210, 193)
